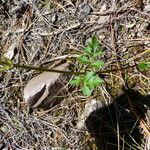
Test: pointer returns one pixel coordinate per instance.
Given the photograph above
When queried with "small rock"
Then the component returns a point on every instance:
(4, 129)
(147, 8)
(11, 51)
(84, 9)
(44, 85)
(89, 108)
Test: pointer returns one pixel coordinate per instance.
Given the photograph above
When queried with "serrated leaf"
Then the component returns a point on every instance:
(90, 80)
(94, 43)
(76, 81)
(88, 76)
(94, 81)
(83, 59)
(86, 90)
(88, 49)
(91, 86)
(144, 66)
(98, 53)
(98, 64)
(98, 81)
(89, 83)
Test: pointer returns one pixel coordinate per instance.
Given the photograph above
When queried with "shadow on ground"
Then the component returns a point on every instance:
(104, 123)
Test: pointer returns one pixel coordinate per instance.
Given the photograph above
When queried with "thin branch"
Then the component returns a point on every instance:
(42, 69)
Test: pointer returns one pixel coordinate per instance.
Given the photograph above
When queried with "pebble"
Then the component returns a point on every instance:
(84, 9)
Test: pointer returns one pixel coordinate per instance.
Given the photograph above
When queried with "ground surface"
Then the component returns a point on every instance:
(35, 32)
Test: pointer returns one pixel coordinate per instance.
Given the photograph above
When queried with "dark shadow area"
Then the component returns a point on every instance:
(115, 123)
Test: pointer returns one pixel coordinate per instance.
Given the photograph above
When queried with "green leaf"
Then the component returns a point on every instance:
(88, 49)
(88, 75)
(7, 66)
(4, 68)
(97, 81)
(94, 81)
(76, 81)
(144, 66)
(98, 64)
(98, 53)
(94, 43)
(86, 90)
(90, 83)
(83, 59)
(90, 80)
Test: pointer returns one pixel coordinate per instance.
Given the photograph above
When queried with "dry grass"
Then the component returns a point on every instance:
(34, 33)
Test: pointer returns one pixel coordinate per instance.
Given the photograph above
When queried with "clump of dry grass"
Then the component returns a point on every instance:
(36, 32)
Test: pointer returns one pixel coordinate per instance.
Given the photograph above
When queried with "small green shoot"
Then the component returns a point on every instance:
(91, 59)
(144, 66)
(7, 66)
(89, 82)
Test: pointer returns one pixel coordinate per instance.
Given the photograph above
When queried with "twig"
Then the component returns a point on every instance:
(138, 55)
(113, 44)
(122, 9)
(140, 12)
(42, 69)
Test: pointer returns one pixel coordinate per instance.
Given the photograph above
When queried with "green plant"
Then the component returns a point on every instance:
(8, 65)
(144, 66)
(89, 59)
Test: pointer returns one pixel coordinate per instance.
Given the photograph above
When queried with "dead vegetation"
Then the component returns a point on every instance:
(38, 33)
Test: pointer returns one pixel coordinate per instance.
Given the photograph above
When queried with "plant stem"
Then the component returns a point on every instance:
(42, 69)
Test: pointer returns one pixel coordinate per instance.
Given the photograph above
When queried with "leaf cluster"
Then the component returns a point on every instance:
(90, 58)
(144, 66)
(91, 53)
